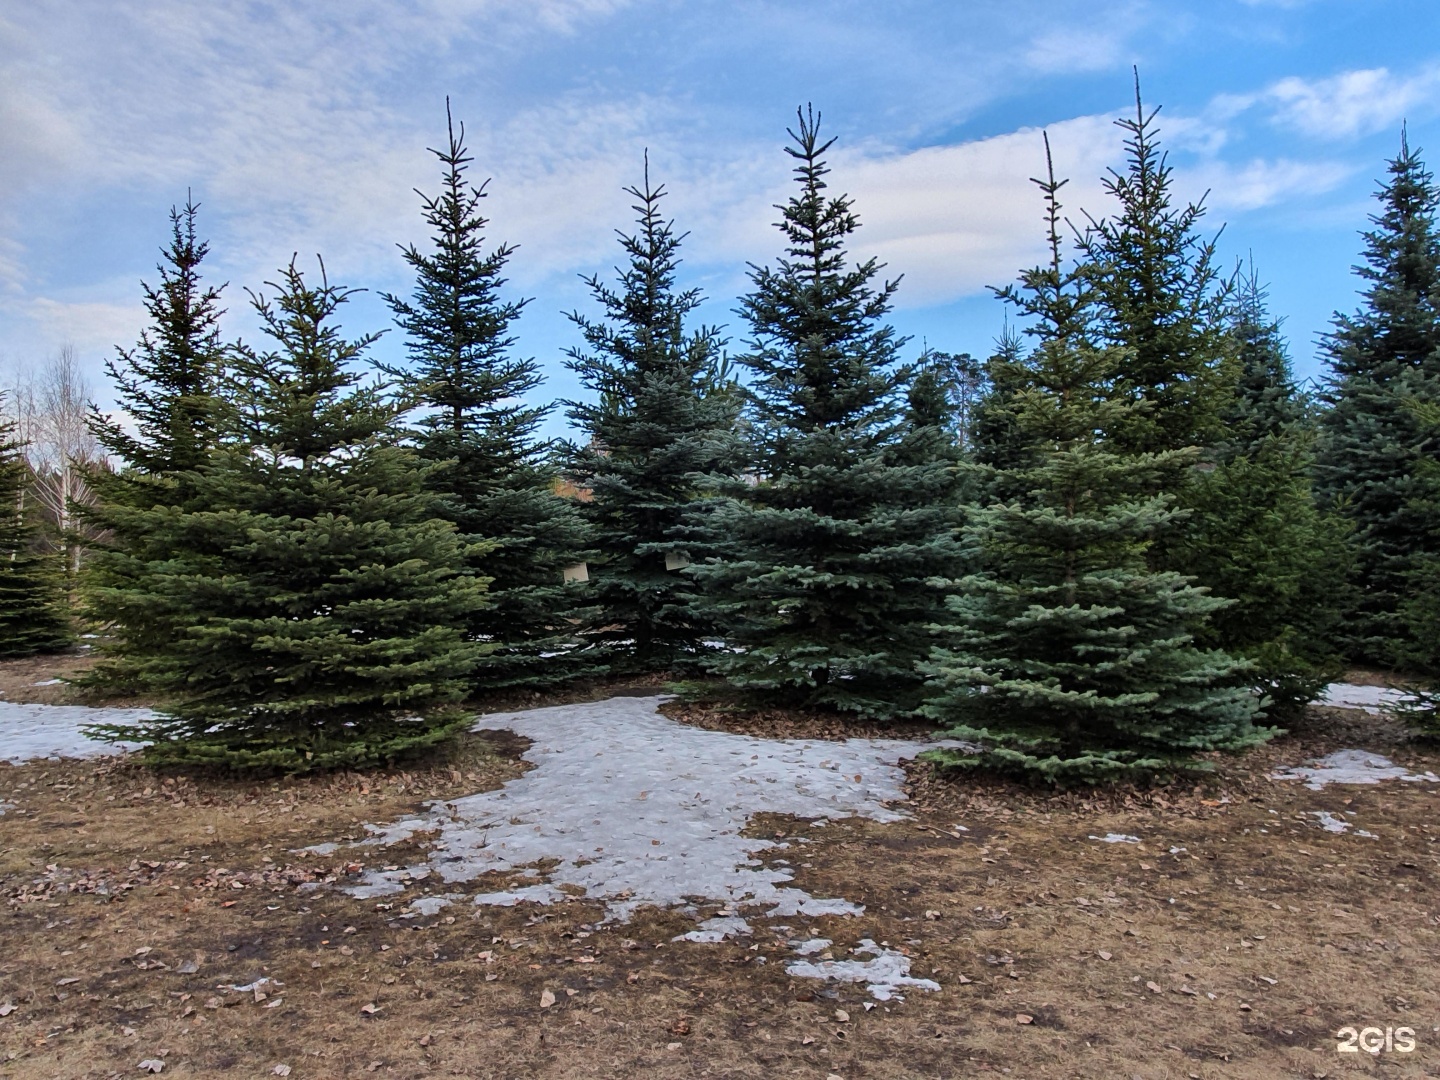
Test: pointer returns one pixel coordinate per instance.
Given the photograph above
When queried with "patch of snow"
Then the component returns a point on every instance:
(258, 984)
(431, 905)
(1332, 824)
(717, 929)
(318, 849)
(48, 682)
(884, 976)
(633, 809)
(1373, 699)
(811, 947)
(1350, 767)
(1116, 838)
(28, 732)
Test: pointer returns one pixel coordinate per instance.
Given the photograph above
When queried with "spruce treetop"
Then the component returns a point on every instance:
(457, 324)
(302, 400)
(165, 383)
(1398, 325)
(1162, 296)
(822, 356)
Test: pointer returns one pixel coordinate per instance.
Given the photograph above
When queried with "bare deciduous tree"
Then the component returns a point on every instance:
(50, 408)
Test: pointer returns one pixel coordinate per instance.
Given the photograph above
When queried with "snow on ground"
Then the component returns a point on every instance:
(884, 976)
(53, 731)
(1350, 767)
(1373, 699)
(1333, 824)
(639, 809)
(630, 808)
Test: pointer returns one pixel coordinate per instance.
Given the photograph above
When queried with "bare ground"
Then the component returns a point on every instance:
(1233, 941)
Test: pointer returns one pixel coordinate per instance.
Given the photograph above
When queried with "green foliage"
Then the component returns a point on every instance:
(1254, 533)
(1385, 358)
(1161, 298)
(1066, 657)
(32, 583)
(166, 385)
(659, 429)
(497, 485)
(316, 609)
(830, 562)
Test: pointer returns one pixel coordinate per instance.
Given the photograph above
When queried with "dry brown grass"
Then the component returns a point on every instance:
(118, 880)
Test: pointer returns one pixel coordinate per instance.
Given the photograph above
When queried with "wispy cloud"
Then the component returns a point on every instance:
(1352, 103)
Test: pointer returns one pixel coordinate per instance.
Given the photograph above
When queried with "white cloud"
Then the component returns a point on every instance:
(1258, 183)
(1353, 102)
(955, 219)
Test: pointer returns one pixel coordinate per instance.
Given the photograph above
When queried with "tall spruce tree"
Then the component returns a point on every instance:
(1209, 380)
(322, 607)
(1067, 658)
(33, 618)
(497, 487)
(1160, 297)
(165, 386)
(1385, 359)
(1254, 532)
(657, 434)
(828, 577)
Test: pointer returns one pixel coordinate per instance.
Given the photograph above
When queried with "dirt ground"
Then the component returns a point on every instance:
(1233, 941)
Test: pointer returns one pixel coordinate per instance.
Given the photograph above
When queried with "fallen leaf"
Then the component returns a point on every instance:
(961, 979)
(280, 1070)
(841, 1015)
(127, 1031)
(152, 1065)
(1024, 1018)
(1154, 987)
(7, 1008)
(189, 967)
(546, 999)
(371, 1009)
(680, 1027)
(932, 914)
(807, 1040)
(1103, 955)
(1267, 979)
(275, 1003)
(425, 1040)
(570, 993)
(633, 977)
(67, 982)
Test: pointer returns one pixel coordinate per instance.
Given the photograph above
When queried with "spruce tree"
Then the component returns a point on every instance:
(1385, 358)
(1254, 532)
(497, 485)
(1066, 657)
(321, 607)
(657, 433)
(165, 386)
(32, 610)
(828, 578)
(1160, 297)
(1210, 379)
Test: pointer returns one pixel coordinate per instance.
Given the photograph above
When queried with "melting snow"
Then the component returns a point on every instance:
(1330, 823)
(884, 976)
(53, 731)
(1373, 699)
(1350, 767)
(632, 808)
(1116, 838)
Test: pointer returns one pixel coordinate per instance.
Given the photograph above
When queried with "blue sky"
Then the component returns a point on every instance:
(303, 127)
